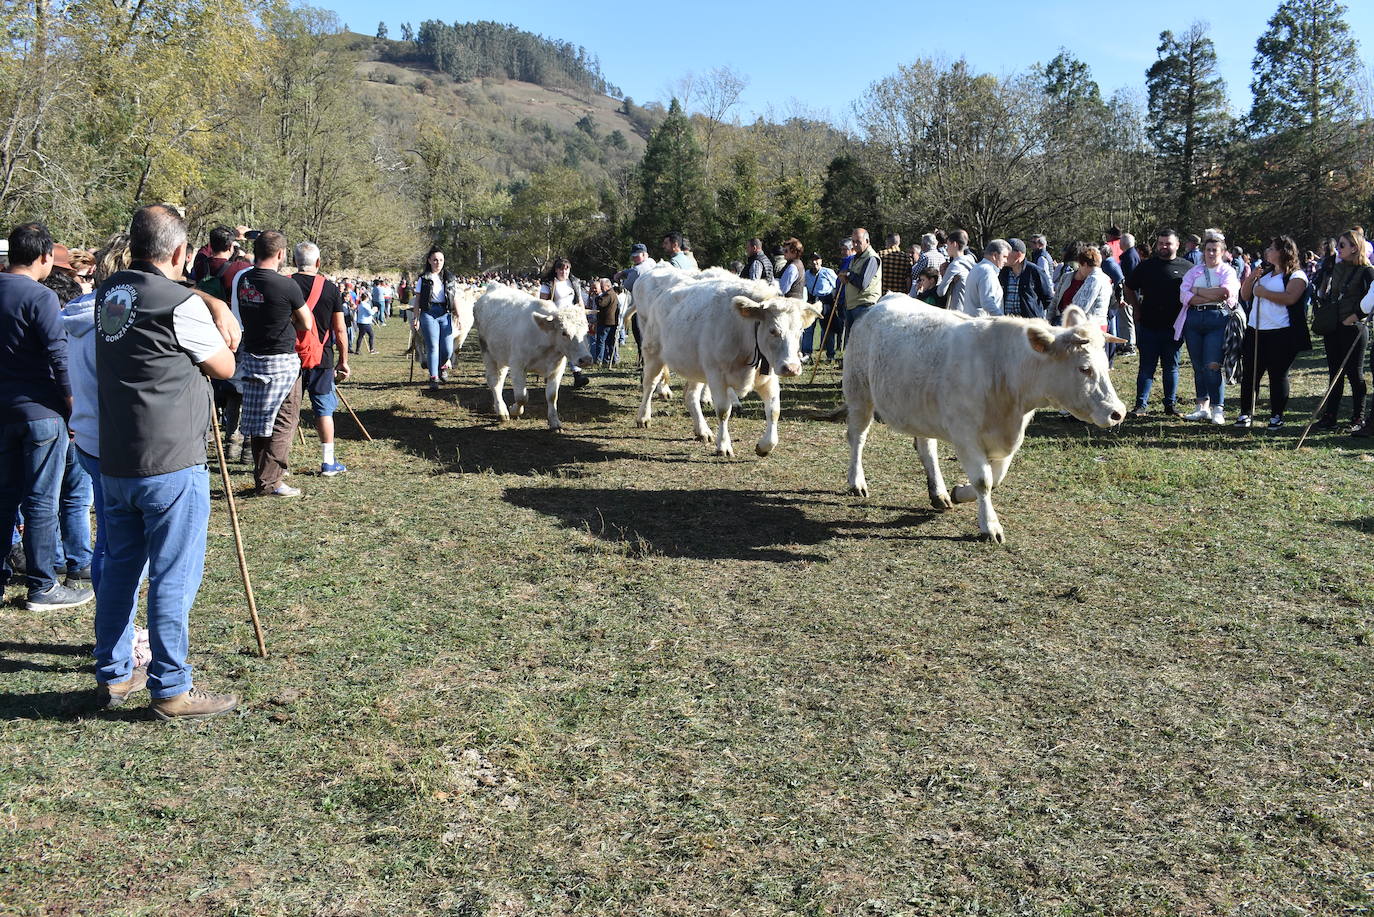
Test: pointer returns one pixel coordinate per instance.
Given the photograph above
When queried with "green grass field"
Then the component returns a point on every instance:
(520, 673)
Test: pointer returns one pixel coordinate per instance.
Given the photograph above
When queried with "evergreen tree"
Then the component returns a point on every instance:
(407, 33)
(850, 198)
(1188, 120)
(381, 30)
(1304, 120)
(672, 180)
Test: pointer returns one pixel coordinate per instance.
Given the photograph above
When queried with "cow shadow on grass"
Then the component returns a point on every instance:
(523, 447)
(713, 523)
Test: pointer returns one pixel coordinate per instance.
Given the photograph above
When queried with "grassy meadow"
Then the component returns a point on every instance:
(513, 672)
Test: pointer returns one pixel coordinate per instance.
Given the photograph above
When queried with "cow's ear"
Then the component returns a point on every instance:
(544, 321)
(809, 315)
(747, 307)
(1074, 316)
(1041, 338)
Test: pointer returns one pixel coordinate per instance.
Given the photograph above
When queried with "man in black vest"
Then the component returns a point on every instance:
(757, 266)
(155, 343)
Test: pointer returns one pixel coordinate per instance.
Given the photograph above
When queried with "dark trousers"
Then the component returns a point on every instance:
(270, 452)
(371, 338)
(1337, 344)
(1274, 355)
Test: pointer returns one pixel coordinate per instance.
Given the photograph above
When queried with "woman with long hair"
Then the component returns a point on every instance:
(558, 286)
(1336, 317)
(434, 312)
(1210, 291)
(1276, 331)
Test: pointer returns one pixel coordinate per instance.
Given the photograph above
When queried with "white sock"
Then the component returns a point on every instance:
(327, 453)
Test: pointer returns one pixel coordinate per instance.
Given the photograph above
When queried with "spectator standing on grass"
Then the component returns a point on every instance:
(272, 310)
(1192, 251)
(897, 265)
(318, 382)
(1152, 291)
(640, 263)
(156, 341)
(1209, 292)
(820, 291)
(862, 279)
(930, 256)
(364, 318)
(1277, 329)
(1039, 254)
(953, 287)
(676, 255)
(210, 260)
(984, 295)
(1336, 316)
(1125, 319)
(434, 311)
(1026, 289)
(560, 287)
(1088, 287)
(607, 323)
(35, 402)
(757, 265)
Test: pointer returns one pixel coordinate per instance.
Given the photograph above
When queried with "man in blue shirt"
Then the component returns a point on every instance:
(35, 401)
(820, 288)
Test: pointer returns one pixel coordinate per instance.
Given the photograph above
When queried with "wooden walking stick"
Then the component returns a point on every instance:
(352, 413)
(815, 361)
(1340, 374)
(238, 538)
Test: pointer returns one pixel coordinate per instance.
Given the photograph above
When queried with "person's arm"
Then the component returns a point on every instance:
(1185, 289)
(1249, 288)
(223, 318)
(546, 291)
(755, 269)
(1230, 286)
(53, 339)
(200, 338)
(341, 345)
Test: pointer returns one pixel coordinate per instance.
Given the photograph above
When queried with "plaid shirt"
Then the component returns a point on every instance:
(266, 382)
(896, 270)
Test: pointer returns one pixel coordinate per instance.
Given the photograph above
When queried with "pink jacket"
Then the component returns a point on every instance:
(1224, 276)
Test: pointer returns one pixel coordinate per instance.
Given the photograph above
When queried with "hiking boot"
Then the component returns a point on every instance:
(194, 704)
(58, 596)
(110, 696)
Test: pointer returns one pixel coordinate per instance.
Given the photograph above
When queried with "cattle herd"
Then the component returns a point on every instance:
(930, 374)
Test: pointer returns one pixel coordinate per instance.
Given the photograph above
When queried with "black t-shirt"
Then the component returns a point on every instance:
(266, 301)
(1156, 283)
(329, 304)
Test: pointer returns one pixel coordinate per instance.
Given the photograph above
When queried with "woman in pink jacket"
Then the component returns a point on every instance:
(1209, 293)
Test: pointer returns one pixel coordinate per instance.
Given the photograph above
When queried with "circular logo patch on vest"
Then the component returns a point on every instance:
(117, 309)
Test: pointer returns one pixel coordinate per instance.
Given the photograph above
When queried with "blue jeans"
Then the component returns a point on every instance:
(160, 520)
(1157, 348)
(436, 324)
(92, 468)
(1204, 331)
(603, 345)
(852, 317)
(75, 520)
(33, 457)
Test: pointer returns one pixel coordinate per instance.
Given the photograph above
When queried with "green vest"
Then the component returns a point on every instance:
(855, 297)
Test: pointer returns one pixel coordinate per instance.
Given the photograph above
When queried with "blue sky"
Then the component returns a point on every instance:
(814, 59)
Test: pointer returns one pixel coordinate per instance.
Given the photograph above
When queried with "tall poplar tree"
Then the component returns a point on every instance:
(1188, 121)
(1305, 120)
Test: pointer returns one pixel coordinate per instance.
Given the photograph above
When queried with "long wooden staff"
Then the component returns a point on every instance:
(1340, 374)
(238, 538)
(354, 414)
(815, 361)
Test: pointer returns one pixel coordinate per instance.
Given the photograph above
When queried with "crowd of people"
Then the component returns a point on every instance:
(115, 363)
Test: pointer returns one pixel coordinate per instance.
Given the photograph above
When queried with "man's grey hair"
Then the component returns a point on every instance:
(997, 247)
(1127, 241)
(155, 232)
(1039, 239)
(893, 239)
(307, 254)
(928, 241)
(862, 234)
(846, 243)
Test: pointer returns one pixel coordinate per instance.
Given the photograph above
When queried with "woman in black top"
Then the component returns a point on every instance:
(1337, 320)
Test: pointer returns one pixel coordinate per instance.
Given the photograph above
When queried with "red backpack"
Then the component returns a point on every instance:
(309, 345)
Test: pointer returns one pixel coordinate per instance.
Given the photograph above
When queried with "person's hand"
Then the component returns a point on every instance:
(1350, 320)
(225, 322)
(342, 372)
(415, 325)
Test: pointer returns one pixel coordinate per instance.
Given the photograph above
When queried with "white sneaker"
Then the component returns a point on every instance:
(1202, 413)
(1218, 415)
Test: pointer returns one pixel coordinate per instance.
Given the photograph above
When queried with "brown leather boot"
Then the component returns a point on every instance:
(108, 697)
(193, 705)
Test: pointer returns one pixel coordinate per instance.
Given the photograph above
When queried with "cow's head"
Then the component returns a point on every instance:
(780, 322)
(1076, 377)
(568, 329)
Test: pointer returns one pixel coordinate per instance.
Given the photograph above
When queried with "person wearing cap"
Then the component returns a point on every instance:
(1026, 289)
(640, 264)
(820, 289)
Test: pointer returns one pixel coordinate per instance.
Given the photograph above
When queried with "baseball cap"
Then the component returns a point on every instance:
(1017, 245)
(639, 248)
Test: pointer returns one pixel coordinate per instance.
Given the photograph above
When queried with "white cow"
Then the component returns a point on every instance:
(521, 334)
(719, 331)
(974, 383)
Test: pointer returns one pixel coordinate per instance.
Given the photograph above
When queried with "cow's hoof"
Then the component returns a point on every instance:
(557, 429)
(941, 501)
(994, 534)
(762, 449)
(642, 424)
(858, 490)
(725, 452)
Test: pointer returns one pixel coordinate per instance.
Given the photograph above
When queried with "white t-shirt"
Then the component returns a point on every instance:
(195, 330)
(1266, 315)
(437, 293)
(562, 293)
